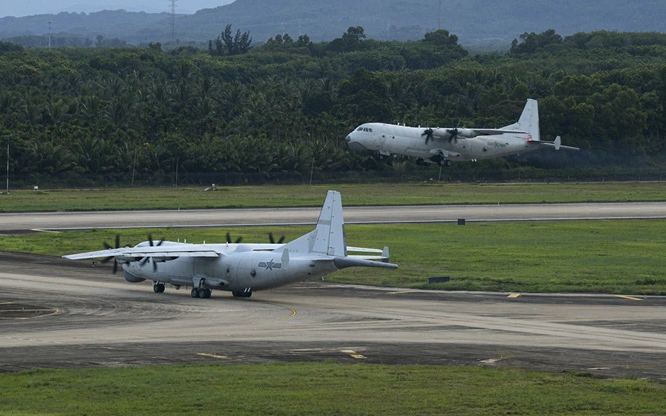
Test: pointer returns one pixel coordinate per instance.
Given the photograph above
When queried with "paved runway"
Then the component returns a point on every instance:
(62, 314)
(285, 216)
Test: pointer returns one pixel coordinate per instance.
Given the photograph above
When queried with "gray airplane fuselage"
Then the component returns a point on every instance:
(239, 269)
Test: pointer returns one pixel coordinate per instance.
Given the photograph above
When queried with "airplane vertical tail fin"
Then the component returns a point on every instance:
(529, 120)
(328, 238)
(330, 229)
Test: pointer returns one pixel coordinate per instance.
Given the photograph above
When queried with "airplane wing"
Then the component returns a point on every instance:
(492, 132)
(444, 133)
(156, 252)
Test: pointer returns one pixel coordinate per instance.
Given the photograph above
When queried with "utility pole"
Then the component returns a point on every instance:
(50, 34)
(173, 22)
(7, 164)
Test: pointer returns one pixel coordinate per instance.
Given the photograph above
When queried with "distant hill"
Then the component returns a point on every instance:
(475, 22)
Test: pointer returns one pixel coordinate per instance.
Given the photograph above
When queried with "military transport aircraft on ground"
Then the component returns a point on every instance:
(444, 145)
(244, 268)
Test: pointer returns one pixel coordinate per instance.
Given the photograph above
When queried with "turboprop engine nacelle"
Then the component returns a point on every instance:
(467, 133)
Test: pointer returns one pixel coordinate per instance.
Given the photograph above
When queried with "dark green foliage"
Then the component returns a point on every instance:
(227, 44)
(286, 106)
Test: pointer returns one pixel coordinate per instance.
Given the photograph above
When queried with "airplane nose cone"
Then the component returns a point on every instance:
(354, 145)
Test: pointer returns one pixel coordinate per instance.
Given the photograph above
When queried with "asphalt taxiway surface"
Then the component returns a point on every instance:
(60, 314)
(300, 216)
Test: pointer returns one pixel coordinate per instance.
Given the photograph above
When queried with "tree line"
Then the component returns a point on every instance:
(287, 105)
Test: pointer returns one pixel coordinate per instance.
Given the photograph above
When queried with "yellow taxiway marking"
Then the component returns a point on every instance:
(514, 295)
(494, 360)
(290, 309)
(45, 311)
(354, 354)
(220, 357)
(628, 297)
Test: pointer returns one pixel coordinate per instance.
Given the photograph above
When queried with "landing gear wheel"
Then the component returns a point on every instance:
(158, 287)
(194, 292)
(204, 293)
(241, 294)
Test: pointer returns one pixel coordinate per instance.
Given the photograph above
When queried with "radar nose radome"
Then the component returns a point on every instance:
(355, 145)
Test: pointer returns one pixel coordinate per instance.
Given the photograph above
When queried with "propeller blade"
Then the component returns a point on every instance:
(152, 244)
(428, 134)
(453, 135)
(109, 247)
(272, 239)
(238, 240)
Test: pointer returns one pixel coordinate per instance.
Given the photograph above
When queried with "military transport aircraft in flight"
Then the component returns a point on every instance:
(244, 268)
(445, 145)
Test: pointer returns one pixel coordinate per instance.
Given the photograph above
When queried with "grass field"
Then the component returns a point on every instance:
(323, 389)
(352, 194)
(621, 257)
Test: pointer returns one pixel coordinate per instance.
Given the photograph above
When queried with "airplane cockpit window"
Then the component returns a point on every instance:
(359, 129)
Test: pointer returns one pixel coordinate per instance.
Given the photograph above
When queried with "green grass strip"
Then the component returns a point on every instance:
(617, 257)
(322, 389)
(313, 196)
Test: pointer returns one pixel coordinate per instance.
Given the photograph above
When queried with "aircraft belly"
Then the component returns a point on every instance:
(416, 152)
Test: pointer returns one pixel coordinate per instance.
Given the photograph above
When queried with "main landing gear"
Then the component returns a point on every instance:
(158, 287)
(245, 294)
(203, 292)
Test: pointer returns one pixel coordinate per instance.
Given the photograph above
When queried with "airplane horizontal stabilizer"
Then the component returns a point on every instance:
(557, 144)
(344, 262)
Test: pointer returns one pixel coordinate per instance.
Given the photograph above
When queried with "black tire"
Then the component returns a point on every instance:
(241, 294)
(195, 292)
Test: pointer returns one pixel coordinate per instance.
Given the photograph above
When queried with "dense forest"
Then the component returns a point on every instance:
(284, 108)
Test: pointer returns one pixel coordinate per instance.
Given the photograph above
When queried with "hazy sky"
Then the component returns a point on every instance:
(32, 7)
